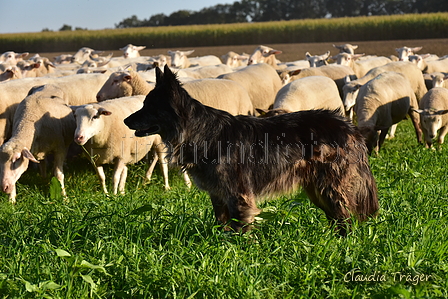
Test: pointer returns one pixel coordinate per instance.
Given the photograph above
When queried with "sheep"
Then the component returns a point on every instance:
(408, 69)
(439, 79)
(317, 60)
(382, 102)
(360, 67)
(131, 51)
(10, 73)
(63, 59)
(404, 52)
(314, 92)
(161, 60)
(433, 110)
(78, 89)
(346, 48)
(235, 60)
(12, 57)
(334, 71)
(430, 66)
(43, 124)
(264, 54)
(46, 66)
(220, 94)
(260, 80)
(84, 54)
(208, 71)
(112, 142)
(179, 59)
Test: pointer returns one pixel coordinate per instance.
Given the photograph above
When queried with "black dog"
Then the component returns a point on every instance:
(239, 158)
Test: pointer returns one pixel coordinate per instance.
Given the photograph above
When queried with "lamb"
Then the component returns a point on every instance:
(112, 142)
(382, 102)
(261, 82)
(433, 110)
(360, 67)
(131, 51)
(317, 60)
(43, 124)
(220, 94)
(235, 60)
(179, 59)
(264, 54)
(314, 92)
(405, 52)
(346, 48)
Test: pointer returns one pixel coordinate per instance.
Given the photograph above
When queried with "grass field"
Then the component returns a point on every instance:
(153, 243)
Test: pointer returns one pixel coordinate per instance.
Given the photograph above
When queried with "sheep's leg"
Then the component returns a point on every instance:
(119, 176)
(391, 134)
(186, 178)
(442, 132)
(43, 168)
(122, 184)
(415, 118)
(58, 171)
(163, 165)
(381, 138)
(102, 177)
(151, 168)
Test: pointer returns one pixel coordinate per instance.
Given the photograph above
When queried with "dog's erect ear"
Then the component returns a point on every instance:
(159, 76)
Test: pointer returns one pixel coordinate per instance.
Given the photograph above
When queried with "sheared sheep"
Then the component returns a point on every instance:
(264, 54)
(346, 48)
(43, 124)
(433, 110)
(360, 67)
(317, 60)
(131, 51)
(179, 59)
(100, 128)
(382, 102)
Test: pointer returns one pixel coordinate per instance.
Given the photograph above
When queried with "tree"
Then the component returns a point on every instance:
(66, 28)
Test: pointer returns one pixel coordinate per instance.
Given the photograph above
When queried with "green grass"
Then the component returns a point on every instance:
(152, 243)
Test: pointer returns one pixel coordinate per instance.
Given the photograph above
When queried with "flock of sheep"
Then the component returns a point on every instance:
(49, 107)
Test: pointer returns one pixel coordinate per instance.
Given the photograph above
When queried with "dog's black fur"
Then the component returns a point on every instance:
(239, 158)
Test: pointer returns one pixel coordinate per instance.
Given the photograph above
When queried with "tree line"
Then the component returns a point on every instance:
(276, 10)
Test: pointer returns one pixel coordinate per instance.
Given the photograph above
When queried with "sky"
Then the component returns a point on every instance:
(34, 15)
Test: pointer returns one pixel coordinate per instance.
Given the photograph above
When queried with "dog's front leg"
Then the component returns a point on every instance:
(220, 208)
(242, 210)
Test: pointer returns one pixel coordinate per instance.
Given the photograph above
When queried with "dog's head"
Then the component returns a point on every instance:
(163, 108)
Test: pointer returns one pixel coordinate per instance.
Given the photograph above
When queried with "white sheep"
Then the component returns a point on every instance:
(264, 54)
(346, 48)
(220, 94)
(405, 52)
(179, 59)
(261, 82)
(428, 65)
(43, 124)
(131, 51)
(314, 92)
(360, 67)
(433, 110)
(235, 60)
(439, 79)
(84, 54)
(100, 128)
(382, 102)
(12, 57)
(317, 60)
(10, 73)
(79, 89)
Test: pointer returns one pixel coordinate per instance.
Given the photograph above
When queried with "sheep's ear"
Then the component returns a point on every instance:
(296, 72)
(127, 78)
(440, 112)
(27, 154)
(103, 111)
(74, 108)
(419, 111)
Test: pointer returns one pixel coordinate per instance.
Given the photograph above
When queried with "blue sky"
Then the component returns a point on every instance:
(33, 16)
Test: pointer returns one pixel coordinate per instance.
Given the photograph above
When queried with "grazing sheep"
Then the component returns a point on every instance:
(360, 67)
(382, 102)
(261, 82)
(112, 142)
(405, 52)
(179, 59)
(220, 94)
(131, 51)
(263, 54)
(43, 124)
(346, 48)
(235, 60)
(314, 92)
(433, 110)
(317, 60)
(408, 69)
